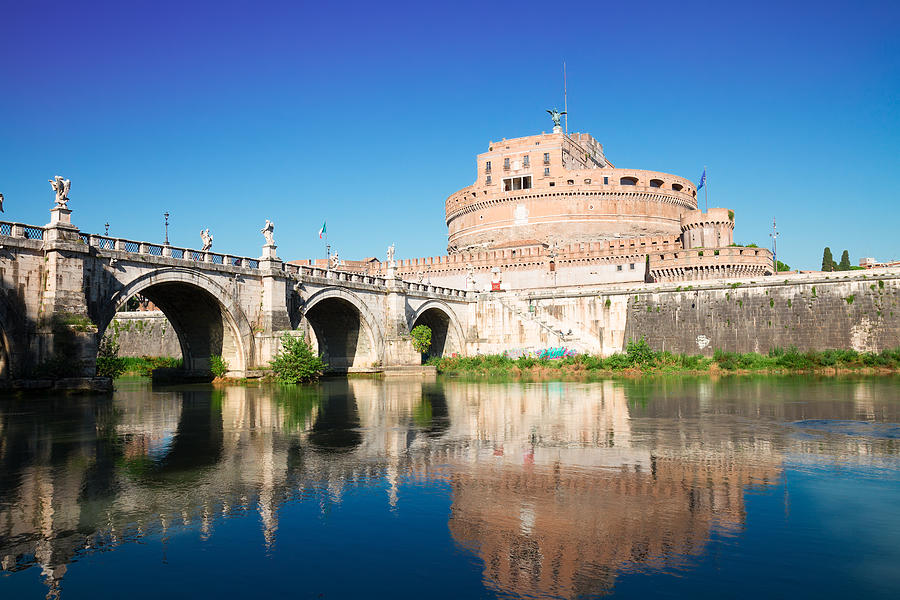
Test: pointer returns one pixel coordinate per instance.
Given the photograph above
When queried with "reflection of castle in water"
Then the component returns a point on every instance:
(556, 487)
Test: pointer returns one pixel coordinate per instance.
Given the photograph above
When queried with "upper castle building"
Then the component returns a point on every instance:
(551, 210)
(560, 189)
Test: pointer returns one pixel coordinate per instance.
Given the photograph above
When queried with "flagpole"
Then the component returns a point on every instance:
(706, 192)
(565, 98)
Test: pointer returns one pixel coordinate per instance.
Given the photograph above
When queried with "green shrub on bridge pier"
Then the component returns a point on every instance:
(296, 362)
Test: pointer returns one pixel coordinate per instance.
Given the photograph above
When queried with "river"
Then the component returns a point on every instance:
(740, 487)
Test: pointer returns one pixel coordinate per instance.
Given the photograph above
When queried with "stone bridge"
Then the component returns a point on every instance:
(61, 289)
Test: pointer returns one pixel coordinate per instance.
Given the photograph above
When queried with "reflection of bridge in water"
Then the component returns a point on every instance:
(556, 487)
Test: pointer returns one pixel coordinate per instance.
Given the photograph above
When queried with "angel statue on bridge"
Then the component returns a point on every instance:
(207, 239)
(555, 115)
(61, 187)
(267, 231)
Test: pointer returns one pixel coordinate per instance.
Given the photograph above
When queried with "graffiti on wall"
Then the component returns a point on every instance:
(546, 353)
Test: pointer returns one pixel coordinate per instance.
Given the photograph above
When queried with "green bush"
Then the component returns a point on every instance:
(640, 353)
(421, 338)
(296, 362)
(108, 362)
(218, 365)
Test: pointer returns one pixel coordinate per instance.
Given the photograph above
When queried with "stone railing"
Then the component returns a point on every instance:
(411, 287)
(343, 276)
(149, 249)
(21, 231)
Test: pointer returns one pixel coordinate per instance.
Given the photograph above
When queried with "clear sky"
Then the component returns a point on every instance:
(368, 115)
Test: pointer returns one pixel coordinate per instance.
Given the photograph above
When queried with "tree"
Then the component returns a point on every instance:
(783, 267)
(296, 362)
(827, 260)
(845, 262)
(421, 338)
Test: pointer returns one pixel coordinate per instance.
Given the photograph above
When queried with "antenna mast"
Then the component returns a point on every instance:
(565, 98)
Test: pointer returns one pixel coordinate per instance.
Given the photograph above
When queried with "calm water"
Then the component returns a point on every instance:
(784, 487)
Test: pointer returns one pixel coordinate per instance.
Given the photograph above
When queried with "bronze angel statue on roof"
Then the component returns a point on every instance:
(555, 115)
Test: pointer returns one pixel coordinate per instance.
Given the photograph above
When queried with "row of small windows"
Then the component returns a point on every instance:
(654, 183)
(630, 266)
(526, 163)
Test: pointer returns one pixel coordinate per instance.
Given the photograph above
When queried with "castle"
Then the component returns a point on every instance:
(551, 210)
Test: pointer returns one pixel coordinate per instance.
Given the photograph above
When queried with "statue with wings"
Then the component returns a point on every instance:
(61, 187)
(555, 115)
(207, 238)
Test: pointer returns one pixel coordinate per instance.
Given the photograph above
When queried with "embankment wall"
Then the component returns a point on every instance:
(144, 333)
(857, 309)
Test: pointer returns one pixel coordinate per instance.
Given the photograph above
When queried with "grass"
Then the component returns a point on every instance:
(144, 365)
(640, 358)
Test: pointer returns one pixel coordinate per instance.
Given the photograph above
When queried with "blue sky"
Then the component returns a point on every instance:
(370, 115)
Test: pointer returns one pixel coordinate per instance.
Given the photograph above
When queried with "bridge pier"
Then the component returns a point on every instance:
(66, 335)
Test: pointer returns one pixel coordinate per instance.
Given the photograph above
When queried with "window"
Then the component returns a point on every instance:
(526, 161)
(677, 187)
(552, 184)
(587, 180)
(487, 180)
(511, 184)
(546, 171)
(631, 266)
(571, 182)
(618, 267)
(606, 181)
(546, 158)
(506, 164)
(628, 181)
(656, 183)
(487, 167)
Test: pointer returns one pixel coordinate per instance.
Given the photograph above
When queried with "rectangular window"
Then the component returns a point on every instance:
(487, 167)
(546, 158)
(511, 184)
(546, 171)
(527, 161)
(618, 267)
(606, 181)
(506, 163)
(631, 266)
(487, 180)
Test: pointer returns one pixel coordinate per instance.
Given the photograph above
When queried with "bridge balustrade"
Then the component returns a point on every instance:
(20, 230)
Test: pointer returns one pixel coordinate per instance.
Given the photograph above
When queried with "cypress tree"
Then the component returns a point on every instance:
(845, 262)
(827, 260)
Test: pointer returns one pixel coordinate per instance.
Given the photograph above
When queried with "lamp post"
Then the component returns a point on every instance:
(166, 215)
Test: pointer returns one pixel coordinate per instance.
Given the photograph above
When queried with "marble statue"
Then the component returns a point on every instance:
(335, 260)
(61, 187)
(207, 239)
(555, 115)
(267, 231)
(390, 255)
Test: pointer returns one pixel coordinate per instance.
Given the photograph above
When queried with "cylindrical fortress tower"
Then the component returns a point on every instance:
(560, 189)
(711, 229)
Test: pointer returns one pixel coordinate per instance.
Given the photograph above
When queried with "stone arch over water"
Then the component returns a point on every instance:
(446, 334)
(206, 318)
(343, 330)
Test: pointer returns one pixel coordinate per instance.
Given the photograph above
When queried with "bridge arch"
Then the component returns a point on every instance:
(205, 316)
(343, 329)
(446, 333)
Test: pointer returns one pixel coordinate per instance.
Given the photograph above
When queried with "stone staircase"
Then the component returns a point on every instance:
(565, 334)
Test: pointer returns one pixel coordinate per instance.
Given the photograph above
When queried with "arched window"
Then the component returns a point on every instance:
(677, 187)
(656, 183)
(628, 181)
